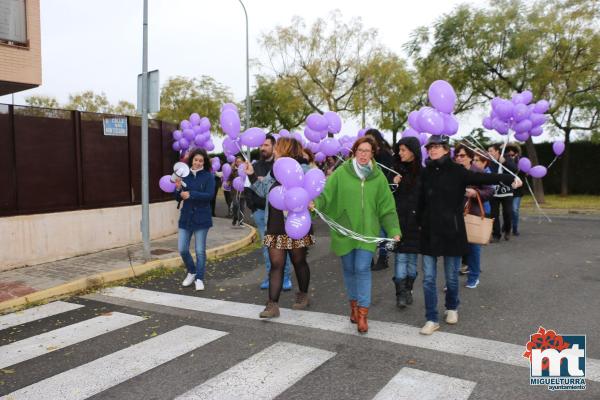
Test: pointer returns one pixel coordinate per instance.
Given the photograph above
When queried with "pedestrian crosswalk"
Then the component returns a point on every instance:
(268, 372)
(36, 313)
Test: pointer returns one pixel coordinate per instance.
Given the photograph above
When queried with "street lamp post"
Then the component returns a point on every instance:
(247, 71)
(145, 225)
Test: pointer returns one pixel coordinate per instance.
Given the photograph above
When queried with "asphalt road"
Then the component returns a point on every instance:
(549, 276)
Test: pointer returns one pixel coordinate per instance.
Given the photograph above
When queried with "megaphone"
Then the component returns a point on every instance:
(180, 170)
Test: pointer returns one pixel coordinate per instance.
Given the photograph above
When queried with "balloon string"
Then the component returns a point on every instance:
(536, 202)
(347, 232)
(552, 163)
(242, 152)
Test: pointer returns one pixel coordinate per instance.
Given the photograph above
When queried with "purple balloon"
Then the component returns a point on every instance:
(334, 122)
(229, 106)
(197, 130)
(185, 124)
(450, 124)
(195, 119)
(177, 135)
(230, 158)
(317, 122)
(288, 172)
(441, 96)
(431, 121)
(423, 137)
(413, 120)
(323, 134)
(226, 186)
(500, 126)
(226, 169)
(209, 145)
(183, 143)
(361, 132)
(314, 182)
(487, 123)
(297, 224)
(166, 185)
(537, 119)
(517, 98)
(238, 183)
(521, 112)
(320, 157)
(526, 96)
(558, 148)
(329, 146)
(409, 132)
(296, 199)
(284, 133)
(276, 197)
(200, 140)
(541, 106)
(503, 109)
(539, 171)
(253, 137)
(205, 125)
(522, 126)
(230, 123)
(230, 146)
(536, 131)
(298, 137)
(524, 164)
(312, 135)
(188, 134)
(522, 136)
(176, 146)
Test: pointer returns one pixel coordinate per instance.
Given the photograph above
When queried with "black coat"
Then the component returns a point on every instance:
(440, 211)
(407, 197)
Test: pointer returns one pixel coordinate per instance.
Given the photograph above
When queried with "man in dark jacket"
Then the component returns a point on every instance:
(503, 195)
(440, 216)
(257, 205)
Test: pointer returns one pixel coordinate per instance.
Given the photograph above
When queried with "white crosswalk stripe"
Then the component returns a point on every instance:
(412, 383)
(483, 349)
(265, 375)
(35, 313)
(101, 374)
(44, 343)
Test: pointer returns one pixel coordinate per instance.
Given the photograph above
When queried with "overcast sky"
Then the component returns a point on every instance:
(97, 45)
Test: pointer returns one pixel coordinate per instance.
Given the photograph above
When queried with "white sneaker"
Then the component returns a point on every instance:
(199, 284)
(451, 316)
(189, 279)
(429, 328)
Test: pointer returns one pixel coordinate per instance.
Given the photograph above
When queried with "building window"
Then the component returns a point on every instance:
(13, 22)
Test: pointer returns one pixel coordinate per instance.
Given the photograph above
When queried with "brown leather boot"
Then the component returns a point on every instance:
(361, 323)
(353, 311)
(270, 311)
(301, 301)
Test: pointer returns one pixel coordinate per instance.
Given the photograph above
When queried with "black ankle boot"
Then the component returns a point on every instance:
(400, 292)
(409, 288)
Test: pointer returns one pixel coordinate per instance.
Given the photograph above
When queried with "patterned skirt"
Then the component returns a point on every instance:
(284, 242)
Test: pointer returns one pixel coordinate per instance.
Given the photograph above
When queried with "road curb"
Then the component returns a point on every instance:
(119, 274)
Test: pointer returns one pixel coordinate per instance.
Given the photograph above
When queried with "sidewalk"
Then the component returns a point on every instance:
(38, 282)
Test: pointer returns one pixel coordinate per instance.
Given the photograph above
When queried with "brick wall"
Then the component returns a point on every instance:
(24, 64)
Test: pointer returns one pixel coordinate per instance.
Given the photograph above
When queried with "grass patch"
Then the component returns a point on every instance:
(573, 202)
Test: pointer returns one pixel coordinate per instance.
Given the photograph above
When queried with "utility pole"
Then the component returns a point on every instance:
(145, 226)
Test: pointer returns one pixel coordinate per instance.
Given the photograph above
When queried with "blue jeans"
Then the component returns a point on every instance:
(357, 276)
(405, 266)
(474, 262)
(516, 205)
(183, 245)
(451, 268)
(261, 225)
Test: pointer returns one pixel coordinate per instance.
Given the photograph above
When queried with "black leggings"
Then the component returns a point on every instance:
(277, 257)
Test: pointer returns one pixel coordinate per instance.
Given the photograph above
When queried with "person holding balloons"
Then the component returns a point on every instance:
(357, 196)
(513, 151)
(196, 216)
(288, 155)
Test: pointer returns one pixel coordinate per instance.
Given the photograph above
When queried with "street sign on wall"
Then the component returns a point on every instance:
(116, 126)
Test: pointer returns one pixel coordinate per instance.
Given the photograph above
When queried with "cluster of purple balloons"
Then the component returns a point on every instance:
(539, 171)
(230, 124)
(193, 133)
(296, 191)
(519, 114)
(436, 120)
(318, 128)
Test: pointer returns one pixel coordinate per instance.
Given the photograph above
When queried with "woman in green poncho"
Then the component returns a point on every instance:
(357, 197)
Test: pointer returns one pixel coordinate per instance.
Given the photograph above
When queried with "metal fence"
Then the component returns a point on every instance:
(58, 160)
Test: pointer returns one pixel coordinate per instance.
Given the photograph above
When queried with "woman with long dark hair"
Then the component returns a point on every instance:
(196, 216)
(407, 162)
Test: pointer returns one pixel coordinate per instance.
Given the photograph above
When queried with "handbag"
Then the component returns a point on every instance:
(479, 228)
